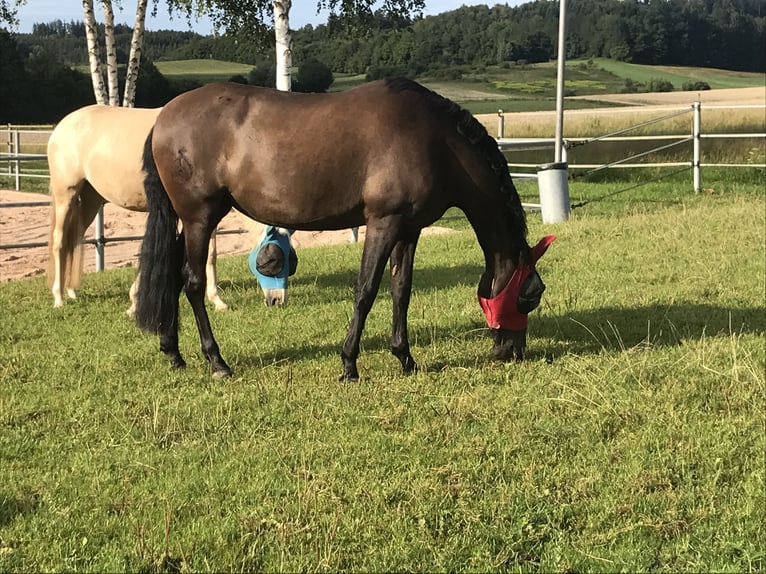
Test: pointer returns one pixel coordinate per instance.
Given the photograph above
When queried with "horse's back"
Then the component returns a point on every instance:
(102, 145)
(305, 161)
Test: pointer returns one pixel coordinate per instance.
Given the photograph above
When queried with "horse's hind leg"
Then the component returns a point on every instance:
(197, 245)
(212, 277)
(402, 259)
(380, 240)
(90, 203)
(63, 211)
(70, 209)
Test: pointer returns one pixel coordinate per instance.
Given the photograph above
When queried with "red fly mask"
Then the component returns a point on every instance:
(509, 308)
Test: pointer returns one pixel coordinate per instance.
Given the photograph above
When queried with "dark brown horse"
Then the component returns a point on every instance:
(391, 155)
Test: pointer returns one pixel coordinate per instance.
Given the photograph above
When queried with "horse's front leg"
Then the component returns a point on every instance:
(58, 262)
(197, 243)
(212, 277)
(380, 239)
(402, 259)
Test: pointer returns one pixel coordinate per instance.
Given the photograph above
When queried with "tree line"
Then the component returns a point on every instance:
(40, 84)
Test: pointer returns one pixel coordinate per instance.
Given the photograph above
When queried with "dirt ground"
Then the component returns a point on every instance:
(19, 225)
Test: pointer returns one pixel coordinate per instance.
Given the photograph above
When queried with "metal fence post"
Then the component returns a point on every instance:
(100, 239)
(17, 164)
(10, 148)
(696, 138)
(500, 124)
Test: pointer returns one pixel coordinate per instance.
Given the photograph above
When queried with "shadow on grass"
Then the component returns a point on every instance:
(610, 329)
(338, 285)
(13, 506)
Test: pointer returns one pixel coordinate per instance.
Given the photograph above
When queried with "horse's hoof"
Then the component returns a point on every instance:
(409, 367)
(220, 305)
(349, 378)
(178, 363)
(222, 373)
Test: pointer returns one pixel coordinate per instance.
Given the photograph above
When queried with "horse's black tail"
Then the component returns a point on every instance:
(162, 255)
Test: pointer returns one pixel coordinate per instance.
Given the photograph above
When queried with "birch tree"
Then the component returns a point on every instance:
(134, 60)
(284, 44)
(111, 96)
(251, 16)
(94, 52)
(9, 11)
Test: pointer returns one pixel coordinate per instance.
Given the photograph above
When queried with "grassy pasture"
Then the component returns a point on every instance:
(204, 71)
(678, 75)
(632, 439)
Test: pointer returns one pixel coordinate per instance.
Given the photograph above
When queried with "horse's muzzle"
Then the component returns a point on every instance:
(275, 297)
(509, 345)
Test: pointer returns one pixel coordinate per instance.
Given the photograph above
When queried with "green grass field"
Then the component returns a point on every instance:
(678, 75)
(515, 89)
(204, 71)
(631, 440)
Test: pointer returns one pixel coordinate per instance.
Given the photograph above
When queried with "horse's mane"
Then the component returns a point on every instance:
(470, 128)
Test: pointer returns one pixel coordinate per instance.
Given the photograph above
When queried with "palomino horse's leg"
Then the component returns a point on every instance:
(380, 239)
(212, 277)
(402, 258)
(90, 203)
(212, 283)
(197, 245)
(63, 202)
(73, 209)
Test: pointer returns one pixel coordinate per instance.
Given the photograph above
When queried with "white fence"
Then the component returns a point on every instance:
(13, 161)
(696, 136)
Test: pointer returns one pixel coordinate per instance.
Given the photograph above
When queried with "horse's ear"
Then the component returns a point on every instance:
(270, 260)
(541, 247)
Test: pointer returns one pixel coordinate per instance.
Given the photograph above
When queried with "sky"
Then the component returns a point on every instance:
(303, 12)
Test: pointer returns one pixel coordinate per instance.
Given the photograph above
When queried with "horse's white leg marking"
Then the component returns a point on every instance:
(132, 294)
(212, 277)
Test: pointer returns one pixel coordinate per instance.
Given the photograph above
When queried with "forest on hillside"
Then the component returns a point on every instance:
(726, 34)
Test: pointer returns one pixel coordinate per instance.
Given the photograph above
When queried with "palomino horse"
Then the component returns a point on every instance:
(391, 155)
(94, 155)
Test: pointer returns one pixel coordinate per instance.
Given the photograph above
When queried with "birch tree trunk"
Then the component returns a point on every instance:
(94, 56)
(284, 43)
(111, 54)
(134, 61)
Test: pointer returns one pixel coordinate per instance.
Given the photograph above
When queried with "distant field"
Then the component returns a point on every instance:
(717, 79)
(204, 71)
(526, 88)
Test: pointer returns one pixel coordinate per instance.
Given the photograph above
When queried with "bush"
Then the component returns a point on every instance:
(695, 86)
(265, 74)
(630, 87)
(238, 79)
(659, 85)
(380, 72)
(313, 76)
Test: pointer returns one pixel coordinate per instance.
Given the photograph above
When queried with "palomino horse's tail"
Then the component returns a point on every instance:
(70, 259)
(162, 255)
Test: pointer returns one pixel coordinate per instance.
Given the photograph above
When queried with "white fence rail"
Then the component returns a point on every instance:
(14, 160)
